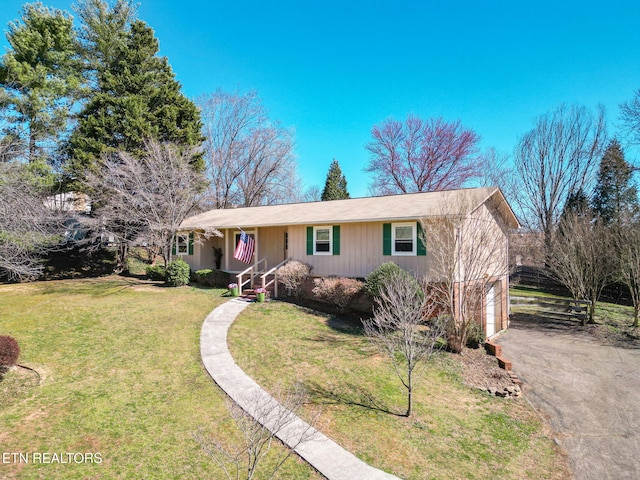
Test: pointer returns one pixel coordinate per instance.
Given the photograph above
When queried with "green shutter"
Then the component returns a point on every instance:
(174, 241)
(422, 248)
(336, 239)
(386, 239)
(309, 240)
(190, 243)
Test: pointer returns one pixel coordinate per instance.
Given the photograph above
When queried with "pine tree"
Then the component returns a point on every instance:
(136, 99)
(335, 187)
(40, 81)
(616, 198)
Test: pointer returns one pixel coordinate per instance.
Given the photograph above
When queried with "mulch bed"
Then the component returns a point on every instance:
(481, 370)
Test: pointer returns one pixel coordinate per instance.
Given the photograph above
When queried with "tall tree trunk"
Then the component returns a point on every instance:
(121, 257)
(590, 318)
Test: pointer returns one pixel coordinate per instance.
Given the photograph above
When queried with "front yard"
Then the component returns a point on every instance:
(121, 376)
(455, 432)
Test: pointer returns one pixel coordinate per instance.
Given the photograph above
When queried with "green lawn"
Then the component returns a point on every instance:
(455, 432)
(121, 376)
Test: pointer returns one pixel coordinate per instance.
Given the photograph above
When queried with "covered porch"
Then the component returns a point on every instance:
(216, 253)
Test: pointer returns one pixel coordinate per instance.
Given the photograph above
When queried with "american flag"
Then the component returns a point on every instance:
(244, 249)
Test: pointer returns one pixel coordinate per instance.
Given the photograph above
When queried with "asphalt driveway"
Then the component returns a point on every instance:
(589, 391)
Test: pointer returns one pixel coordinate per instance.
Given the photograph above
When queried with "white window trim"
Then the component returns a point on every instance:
(185, 238)
(414, 239)
(326, 227)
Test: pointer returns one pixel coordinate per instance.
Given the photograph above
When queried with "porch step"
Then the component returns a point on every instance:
(250, 293)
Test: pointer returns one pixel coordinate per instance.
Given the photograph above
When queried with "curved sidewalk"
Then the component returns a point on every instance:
(323, 454)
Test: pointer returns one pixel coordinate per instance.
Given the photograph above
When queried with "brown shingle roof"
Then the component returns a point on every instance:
(369, 209)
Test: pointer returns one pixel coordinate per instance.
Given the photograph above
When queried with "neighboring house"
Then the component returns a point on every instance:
(69, 202)
(347, 238)
(73, 205)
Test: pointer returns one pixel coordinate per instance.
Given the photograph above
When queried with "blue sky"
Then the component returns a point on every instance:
(331, 70)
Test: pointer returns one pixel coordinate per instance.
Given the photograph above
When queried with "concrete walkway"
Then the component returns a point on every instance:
(323, 454)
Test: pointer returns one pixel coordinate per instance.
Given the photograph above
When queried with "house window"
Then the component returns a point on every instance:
(322, 240)
(182, 244)
(403, 238)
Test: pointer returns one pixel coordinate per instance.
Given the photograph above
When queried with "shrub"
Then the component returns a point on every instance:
(9, 351)
(203, 274)
(292, 275)
(382, 276)
(155, 272)
(212, 278)
(339, 291)
(177, 273)
(475, 335)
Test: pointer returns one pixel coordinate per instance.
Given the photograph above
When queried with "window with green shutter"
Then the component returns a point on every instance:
(183, 244)
(323, 240)
(402, 239)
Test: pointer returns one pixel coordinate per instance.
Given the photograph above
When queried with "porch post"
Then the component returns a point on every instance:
(225, 251)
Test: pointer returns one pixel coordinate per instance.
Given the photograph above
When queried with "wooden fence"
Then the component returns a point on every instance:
(562, 308)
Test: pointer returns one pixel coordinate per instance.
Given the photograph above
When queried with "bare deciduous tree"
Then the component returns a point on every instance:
(273, 419)
(628, 269)
(468, 254)
(144, 200)
(250, 159)
(399, 330)
(422, 156)
(28, 228)
(630, 116)
(581, 258)
(556, 158)
(627, 241)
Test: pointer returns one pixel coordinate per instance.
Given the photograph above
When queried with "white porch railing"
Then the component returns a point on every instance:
(254, 270)
(273, 271)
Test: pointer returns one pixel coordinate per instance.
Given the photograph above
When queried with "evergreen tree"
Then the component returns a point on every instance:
(40, 80)
(577, 203)
(616, 198)
(335, 187)
(136, 99)
(102, 33)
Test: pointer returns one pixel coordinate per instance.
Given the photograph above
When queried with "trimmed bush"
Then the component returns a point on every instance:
(382, 275)
(203, 274)
(9, 351)
(292, 275)
(339, 291)
(155, 272)
(211, 278)
(178, 273)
